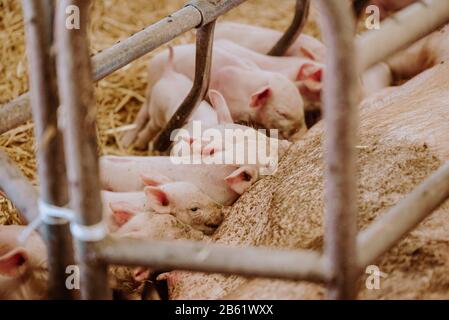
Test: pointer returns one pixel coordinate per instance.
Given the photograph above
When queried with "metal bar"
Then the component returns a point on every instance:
(340, 122)
(124, 52)
(38, 16)
(17, 187)
(389, 228)
(401, 30)
(295, 29)
(203, 62)
(197, 256)
(77, 98)
(194, 14)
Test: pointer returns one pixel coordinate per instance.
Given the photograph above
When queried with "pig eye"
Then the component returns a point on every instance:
(282, 114)
(194, 209)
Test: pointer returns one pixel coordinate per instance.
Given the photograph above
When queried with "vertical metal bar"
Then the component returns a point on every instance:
(341, 94)
(295, 29)
(203, 62)
(77, 97)
(38, 15)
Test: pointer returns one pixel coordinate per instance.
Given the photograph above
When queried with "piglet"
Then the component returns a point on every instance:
(220, 182)
(182, 200)
(23, 268)
(253, 95)
(165, 98)
(262, 40)
(304, 71)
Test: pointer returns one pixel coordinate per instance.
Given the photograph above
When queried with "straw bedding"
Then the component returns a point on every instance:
(120, 95)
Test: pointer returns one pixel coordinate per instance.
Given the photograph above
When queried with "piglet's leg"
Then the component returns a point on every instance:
(412, 61)
(146, 135)
(140, 121)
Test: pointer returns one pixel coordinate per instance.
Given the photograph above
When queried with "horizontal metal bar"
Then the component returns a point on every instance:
(401, 30)
(215, 258)
(389, 228)
(124, 52)
(211, 10)
(195, 14)
(17, 187)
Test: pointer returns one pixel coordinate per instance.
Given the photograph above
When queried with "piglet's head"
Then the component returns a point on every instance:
(279, 105)
(14, 263)
(187, 203)
(309, 80)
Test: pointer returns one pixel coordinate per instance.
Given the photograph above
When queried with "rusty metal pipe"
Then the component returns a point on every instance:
(38, 16)
(294, 31)
(340, 121)
(77, 98)
(197, 256)
(203, 62)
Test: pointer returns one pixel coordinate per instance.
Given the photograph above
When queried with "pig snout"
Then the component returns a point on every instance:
(284, 108)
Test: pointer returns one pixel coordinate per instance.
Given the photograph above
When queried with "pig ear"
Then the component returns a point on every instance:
(221, 107)
(154, 179)
(241, 180)
(141, 274)
(309, 79)
(12, 264)
(308, 53)
(159, 201)
(260, 98)
(122, 212)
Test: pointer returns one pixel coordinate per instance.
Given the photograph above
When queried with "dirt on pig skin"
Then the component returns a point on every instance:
(403, 139)
(289, 216)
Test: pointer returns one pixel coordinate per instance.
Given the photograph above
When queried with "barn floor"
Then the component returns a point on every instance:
(120, 95)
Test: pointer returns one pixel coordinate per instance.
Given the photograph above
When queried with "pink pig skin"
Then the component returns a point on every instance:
(23, 269)
(304, 71)
(162, 102)
(262, 40)
(114, 201)
(183, 200)
(252, 94)
(126, 174)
